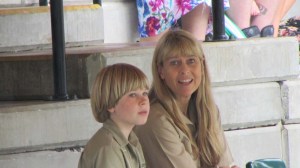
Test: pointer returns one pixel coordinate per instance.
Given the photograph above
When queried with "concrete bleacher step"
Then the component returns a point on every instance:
(291, 136)
(25, 28)
(22, 3)
(30, 75)
(44, 159)
(290, 93)
(49, 125)
(255, 84)
(31, 26)
(45, 125)
(255, 143)
(249, 105)
(245, 144)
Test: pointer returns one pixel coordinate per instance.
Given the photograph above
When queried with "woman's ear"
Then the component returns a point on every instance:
(160, 72)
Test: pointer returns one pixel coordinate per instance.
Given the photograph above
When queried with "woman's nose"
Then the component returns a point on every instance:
(184, 69)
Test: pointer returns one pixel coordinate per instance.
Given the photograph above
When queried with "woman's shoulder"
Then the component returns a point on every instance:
(157, 113)
(158, 118)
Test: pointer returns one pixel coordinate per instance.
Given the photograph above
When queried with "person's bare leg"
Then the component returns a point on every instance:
(267, 13)
(282, 9)
(254, 9)
(240, 12)
(153, 38)
(196, 21)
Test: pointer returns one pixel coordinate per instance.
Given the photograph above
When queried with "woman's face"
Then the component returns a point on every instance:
(182, 74)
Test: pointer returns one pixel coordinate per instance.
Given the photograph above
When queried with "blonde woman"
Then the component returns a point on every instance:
(119, 100)
(183, 128)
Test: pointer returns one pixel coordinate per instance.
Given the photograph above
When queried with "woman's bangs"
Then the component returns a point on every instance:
(181, 47)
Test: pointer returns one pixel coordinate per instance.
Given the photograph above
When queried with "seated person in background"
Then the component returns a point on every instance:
(254, 24)
(119, 100)
(184, 127)
(156, 17)
(283, 8)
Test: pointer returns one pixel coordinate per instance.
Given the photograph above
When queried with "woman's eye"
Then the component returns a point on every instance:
(192, 60)
(174, 62)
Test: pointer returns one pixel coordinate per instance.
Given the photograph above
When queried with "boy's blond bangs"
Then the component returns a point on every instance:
(127, 80)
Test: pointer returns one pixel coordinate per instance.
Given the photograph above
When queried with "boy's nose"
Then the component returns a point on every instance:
(143, 100)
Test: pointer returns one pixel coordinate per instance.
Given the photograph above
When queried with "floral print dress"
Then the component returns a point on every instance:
(156, 16)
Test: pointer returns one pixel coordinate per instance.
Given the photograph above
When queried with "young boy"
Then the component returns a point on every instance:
(119, 100)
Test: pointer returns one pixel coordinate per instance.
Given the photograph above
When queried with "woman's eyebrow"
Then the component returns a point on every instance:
(172, 57)
(191, 55)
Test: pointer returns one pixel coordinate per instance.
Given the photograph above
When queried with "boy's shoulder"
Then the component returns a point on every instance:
(102, 139)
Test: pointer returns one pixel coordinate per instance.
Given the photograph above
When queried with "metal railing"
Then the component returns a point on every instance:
(218, 20)
(43, 2)
(97, 2)
(58, 47)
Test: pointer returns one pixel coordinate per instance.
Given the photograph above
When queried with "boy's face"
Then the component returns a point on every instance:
(132, 109)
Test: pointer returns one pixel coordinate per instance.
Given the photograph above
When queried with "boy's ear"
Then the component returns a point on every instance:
(111, 110)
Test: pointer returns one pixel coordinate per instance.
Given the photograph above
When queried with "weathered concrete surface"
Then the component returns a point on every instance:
(32, 26)
(290, 91)
(120, 21)
(45, 125)
(252, 144)
(139, 57)
(246, 145)
(33, 79)
(250, 105)
(114, 22)
(44, 159)
(246, 61)
(13, 3)
(252, 60)
(292, 146)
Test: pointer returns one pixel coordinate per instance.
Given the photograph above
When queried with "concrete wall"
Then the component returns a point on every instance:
(31, 26)
(255, 86)
(114, 22)
(15, 3)
(257, 94)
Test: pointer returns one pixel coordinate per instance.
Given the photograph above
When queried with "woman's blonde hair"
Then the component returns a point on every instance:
(206, 145)
(113, 82)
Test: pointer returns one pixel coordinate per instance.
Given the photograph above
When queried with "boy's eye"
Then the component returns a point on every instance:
(132, 94)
